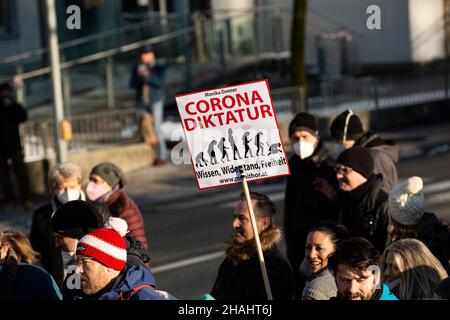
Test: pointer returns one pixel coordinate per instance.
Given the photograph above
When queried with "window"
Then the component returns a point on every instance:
(7, 19)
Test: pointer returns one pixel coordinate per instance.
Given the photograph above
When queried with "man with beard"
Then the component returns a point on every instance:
(239, 276)
(104, 273)
(355, 265)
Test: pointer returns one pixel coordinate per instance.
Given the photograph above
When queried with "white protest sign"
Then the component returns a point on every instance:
(230, 127)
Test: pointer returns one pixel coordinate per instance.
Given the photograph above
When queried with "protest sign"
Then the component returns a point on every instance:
(229, 127)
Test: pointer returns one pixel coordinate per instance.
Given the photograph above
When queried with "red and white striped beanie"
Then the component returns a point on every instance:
(106, 245)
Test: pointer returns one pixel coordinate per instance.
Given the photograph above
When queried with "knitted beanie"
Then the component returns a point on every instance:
(303, 121)
(359, 159)
(346, 126)
(106, 245)
(407, 202)
(321, 288)
(76, 218)
(111, 173)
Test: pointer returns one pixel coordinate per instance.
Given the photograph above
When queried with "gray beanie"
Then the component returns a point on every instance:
(321, 288)
(407, 202)
(111, 173)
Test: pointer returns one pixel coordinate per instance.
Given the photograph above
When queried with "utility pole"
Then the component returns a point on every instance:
(58, 104)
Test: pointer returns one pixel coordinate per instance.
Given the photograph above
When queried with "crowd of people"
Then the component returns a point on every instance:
(352, 231)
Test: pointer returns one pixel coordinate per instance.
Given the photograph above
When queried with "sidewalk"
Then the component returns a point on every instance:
(169, 184)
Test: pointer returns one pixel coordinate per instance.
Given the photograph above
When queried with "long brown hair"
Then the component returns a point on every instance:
(20, 244)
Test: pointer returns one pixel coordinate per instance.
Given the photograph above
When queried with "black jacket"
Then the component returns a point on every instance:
(303, 206)
(385, 156)
(434, 234)
(43, 241)
(10, 118)
(365, 212)
(240, 277)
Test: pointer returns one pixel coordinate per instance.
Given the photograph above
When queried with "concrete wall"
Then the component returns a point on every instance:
(427, 29)
(128, 157)
(388, 45)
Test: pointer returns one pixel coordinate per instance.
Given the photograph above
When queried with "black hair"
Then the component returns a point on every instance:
(337, 233)
(356, 253)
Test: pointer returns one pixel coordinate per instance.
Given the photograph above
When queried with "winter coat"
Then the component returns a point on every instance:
(240, 278)
(122, 206)
(32, 283)
(385, 157)
(43, 241)
(365, 212)
(155, 80)
(10, 118)
(130, 277)
(434, 234)
(303, 206)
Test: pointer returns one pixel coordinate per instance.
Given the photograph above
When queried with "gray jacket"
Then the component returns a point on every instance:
(385, 157)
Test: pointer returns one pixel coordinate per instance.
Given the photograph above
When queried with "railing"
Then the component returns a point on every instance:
(206, 46)
(122, 125)
(89, 132)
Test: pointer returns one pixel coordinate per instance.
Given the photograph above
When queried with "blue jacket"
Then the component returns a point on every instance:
(130, 277)
(155, 79)
(387, 294)
(33, 283)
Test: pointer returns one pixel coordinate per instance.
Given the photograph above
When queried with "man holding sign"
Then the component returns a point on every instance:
(237, 112)
(239, 276)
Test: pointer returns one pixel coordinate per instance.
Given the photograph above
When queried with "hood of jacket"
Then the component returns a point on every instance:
(372, 141)
(239, 252)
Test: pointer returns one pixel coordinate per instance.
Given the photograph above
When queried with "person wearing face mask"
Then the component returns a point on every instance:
(65, 185)
(73, 220)
(347, 130)
(304, 206)
(106, 181)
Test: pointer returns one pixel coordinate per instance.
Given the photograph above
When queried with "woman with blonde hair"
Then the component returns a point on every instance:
(411, 270)
(17, 242)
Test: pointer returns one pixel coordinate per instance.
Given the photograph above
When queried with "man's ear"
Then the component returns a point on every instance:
(265, 223)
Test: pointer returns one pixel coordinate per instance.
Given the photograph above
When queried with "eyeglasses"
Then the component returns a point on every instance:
(343, 170)
(83, 262)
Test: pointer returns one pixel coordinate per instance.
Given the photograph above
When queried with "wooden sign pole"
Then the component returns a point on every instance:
(255, 233)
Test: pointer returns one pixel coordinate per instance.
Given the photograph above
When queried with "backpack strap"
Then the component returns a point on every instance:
(8, 276)
(127, 295)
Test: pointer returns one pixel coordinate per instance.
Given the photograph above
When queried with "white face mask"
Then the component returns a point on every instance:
(70, 195)
(303, 149)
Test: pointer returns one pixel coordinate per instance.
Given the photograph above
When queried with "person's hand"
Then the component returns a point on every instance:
(143, 71)
(322, 185)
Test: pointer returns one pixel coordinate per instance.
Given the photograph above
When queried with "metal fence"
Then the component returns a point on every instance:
(89, 132)
(119, 126)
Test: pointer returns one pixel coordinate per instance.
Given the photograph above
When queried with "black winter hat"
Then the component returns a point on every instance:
(76, 218)
(359, 159)
(303, 121)
(346, 126)
(111, 173)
